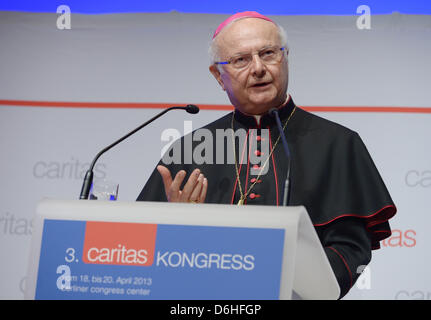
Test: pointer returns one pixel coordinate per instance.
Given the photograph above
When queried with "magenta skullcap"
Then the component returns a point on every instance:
(245, 14)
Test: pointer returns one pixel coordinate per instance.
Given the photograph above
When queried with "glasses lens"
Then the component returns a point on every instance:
(271, 55)
(241, 61)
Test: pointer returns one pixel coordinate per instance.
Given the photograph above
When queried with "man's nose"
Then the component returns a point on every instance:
(257, 66)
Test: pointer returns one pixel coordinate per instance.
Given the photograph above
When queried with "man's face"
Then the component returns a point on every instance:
(259, 87)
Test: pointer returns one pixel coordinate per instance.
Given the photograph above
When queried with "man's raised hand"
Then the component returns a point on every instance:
(194, 190)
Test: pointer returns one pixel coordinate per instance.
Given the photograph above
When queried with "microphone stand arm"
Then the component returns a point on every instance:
(88, 179)
(286, 150)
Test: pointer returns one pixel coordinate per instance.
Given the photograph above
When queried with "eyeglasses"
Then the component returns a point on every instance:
(268, 55)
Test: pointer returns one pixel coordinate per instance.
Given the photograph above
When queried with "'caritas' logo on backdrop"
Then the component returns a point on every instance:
(401, 238)
(118, 243)
(415, 178)
(69, 169)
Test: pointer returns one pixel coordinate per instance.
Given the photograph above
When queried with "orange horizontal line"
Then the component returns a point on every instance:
(139, 105)
(368, 109)
(114, 105)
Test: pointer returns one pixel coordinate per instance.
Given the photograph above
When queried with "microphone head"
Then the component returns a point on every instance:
(272, 112)
(191, 108)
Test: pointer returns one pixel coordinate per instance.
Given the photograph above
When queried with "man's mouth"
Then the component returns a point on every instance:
(260, 85)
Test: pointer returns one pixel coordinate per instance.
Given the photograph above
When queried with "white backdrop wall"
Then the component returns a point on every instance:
(162, 59)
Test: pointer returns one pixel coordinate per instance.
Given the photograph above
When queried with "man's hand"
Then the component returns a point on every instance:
(195, 189)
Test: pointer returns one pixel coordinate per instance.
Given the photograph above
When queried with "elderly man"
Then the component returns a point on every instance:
(331, 172)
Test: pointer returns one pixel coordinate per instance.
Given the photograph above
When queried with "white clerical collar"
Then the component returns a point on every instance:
(259, 116)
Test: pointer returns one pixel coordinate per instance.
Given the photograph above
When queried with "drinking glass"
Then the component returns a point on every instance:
(103, 189)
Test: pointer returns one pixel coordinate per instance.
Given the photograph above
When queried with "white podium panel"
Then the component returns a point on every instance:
(151, 250)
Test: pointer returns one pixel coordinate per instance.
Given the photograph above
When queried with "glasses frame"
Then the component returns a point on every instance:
(229, 61)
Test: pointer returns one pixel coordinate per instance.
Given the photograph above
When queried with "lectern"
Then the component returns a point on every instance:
(176, 251)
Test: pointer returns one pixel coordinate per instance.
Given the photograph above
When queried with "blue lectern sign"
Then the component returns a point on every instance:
(118, 260)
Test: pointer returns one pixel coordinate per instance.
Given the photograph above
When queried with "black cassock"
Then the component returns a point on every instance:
(332, 175)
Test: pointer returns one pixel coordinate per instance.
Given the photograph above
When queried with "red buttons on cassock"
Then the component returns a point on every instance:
(258, 138)
(254, 195)
(258, 153)
(254, 180)
(256, 167)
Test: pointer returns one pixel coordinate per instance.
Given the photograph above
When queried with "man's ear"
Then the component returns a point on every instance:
(216, 73)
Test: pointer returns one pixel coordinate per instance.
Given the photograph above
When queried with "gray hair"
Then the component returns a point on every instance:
(213, 47)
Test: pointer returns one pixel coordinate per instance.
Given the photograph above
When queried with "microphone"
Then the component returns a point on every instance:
(191, 108)
(88, 179)
(274, 113)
